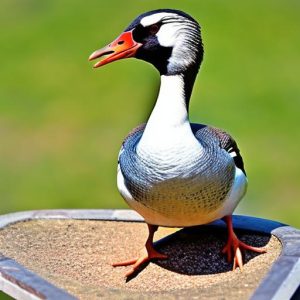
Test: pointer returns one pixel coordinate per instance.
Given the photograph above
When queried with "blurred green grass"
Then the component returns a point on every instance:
(62, 123)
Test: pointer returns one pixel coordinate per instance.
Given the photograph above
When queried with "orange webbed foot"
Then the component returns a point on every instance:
(234, 246)
(145, 257)
(148, 253)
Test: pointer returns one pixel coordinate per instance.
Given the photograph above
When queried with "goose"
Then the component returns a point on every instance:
(172, 172)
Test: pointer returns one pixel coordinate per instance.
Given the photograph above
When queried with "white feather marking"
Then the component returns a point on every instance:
(233, 154)
(235, 194)
(122, 187)
(155, 18)
(168, 34)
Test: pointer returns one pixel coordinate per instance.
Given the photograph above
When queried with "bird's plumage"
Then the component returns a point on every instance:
(204, 186)
(172, 172)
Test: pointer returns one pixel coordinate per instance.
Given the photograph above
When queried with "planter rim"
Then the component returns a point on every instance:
(281, 281)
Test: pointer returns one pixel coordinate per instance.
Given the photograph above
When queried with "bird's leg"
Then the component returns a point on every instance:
(147, 253)
(234, 246)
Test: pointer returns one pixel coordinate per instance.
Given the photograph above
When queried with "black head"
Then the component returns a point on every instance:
(169, 39)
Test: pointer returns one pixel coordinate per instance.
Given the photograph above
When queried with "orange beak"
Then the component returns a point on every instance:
(122, 47)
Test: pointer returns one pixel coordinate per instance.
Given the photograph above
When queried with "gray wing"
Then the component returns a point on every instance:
(136, 130)
(225, 140)
(130, 139)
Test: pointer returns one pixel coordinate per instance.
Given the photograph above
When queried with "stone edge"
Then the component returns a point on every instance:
(281, 281)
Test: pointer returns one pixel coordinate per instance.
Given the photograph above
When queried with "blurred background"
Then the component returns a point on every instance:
(62, 122)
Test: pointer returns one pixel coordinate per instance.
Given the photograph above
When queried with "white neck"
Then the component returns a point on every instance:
(168, 123)
(170, 108)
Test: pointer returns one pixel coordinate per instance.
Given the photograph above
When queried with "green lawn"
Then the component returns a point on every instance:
(62, 122)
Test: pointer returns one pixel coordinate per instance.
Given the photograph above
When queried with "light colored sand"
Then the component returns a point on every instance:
(77, 256)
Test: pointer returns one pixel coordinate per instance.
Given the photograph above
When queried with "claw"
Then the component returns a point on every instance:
(234, 246)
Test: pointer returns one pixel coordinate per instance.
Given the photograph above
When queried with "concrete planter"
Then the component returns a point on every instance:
(281, 282)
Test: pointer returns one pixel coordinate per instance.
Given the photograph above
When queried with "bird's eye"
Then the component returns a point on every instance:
(153, 29)
(140, 33)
